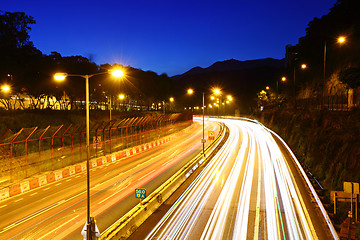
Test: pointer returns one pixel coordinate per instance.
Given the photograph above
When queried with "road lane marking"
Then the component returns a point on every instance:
(41, 211)
(19, 200)
(54, 230)
(146, 175)
(257, 215)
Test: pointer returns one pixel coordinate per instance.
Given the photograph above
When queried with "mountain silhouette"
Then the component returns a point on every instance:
(241, 79)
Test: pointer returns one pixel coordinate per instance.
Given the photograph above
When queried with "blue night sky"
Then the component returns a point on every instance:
(168, 36)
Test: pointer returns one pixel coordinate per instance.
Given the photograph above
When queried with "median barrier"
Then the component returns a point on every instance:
(50, 177)
(130, 152)
(25, 186)
(128, 224)
(34, 183)
(4, 193)
(58, 175)
(65, 173)
(83, 167)
(72, 170)
(14, 190)
(42, 180)
(78, 169)
(99, 161)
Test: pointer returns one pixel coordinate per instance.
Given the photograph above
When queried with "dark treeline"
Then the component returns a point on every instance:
(29, 73)
(342, 60)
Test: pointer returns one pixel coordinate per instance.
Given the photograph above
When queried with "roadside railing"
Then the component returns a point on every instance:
(31, 151)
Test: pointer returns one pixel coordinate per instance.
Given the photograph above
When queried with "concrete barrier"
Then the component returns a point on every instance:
(71, 170)
(4, 193)
(65, 173)
(34, 183)
(42, 180)
(14, 190)
(25, 186)
(50, 177)
(78, 169)
(58, 175)
(99, 162)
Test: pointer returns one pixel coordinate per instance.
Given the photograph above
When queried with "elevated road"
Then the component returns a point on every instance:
(252, 189)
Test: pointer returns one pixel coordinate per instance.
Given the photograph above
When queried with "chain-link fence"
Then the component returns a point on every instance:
(32, 150)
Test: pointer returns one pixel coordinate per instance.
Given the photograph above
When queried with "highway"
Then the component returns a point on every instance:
(58, 210)
(251, 189)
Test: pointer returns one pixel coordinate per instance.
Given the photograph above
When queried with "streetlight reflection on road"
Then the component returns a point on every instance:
(61, 77)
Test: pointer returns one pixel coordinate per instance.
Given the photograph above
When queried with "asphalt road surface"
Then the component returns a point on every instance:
(58, 210)
(251, 189)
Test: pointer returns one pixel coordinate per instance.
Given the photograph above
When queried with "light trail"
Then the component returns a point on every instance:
(57, 211)
(260, 198)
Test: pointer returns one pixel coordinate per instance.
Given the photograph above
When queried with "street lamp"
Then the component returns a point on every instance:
(121, 97)
(61, 77)
(217, 92)
(302, 66)
(190, 92)
(5, 88)
(341, 40)
(283, 79)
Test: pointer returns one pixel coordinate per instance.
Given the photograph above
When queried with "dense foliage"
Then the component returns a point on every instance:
(321, 41)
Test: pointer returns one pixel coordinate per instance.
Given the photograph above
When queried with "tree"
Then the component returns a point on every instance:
(343, 19)
(14, 39)
(351, 77)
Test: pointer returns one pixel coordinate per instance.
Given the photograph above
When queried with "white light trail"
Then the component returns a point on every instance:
(258, 199)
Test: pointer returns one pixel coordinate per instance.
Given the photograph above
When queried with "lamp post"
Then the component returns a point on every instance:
(190, 92)
(121, 97)
(217, 92)
(61, 77)
(340, 41)
(283, 79)
(203, 127)
(302, 66)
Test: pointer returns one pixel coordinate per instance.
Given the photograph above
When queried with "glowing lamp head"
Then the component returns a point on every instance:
(216, 91)
(60, 76)
(341, 40)
(117, 73)
(190, 91)
(303, 66)
(121, 96)
(283, 79)
(171, 99)
(5, 88)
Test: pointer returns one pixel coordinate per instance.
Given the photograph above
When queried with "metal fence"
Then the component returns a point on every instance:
(31, 151)
(330, 102)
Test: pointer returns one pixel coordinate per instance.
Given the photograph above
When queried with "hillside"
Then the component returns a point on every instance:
(242, 79)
